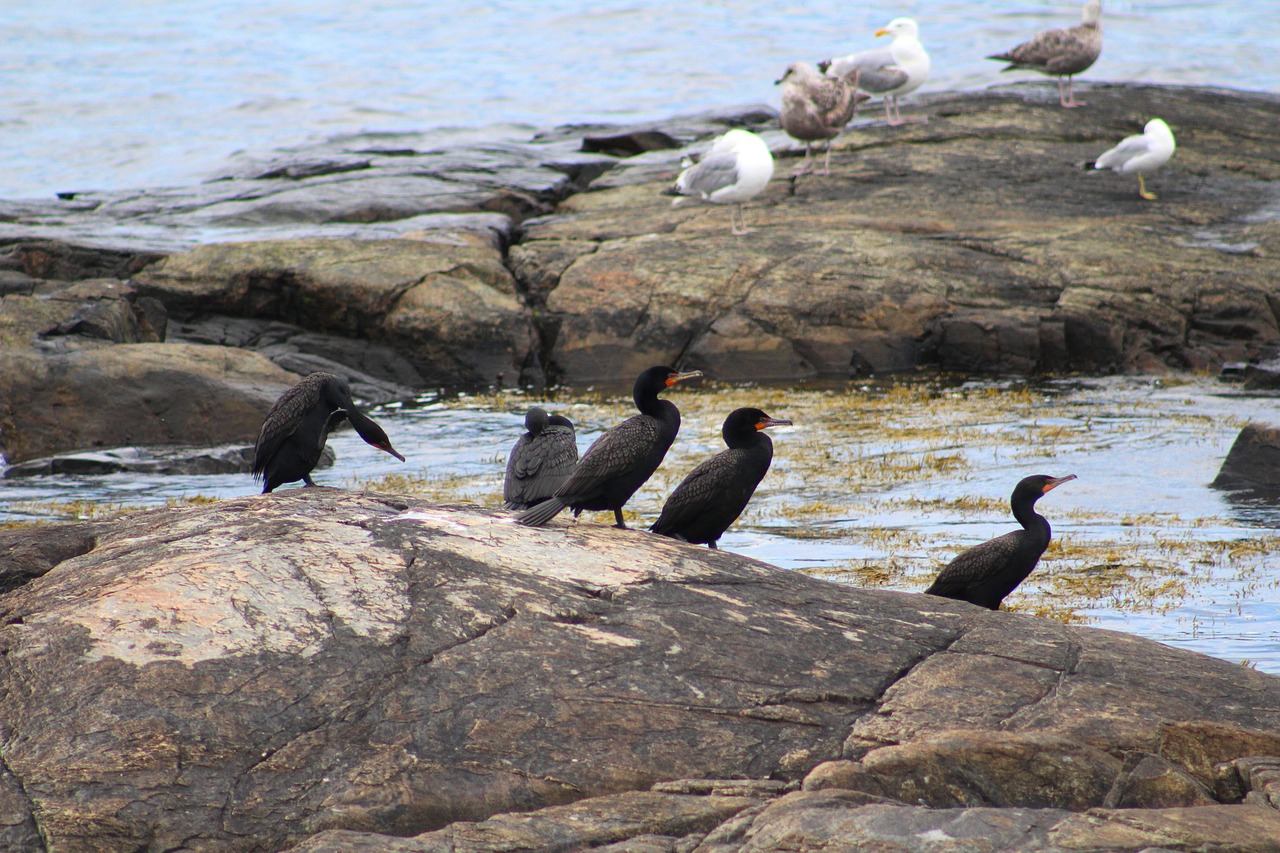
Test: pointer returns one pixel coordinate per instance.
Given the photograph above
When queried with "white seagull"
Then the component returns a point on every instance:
(1141, 154)
(735, 169)
(889, 72)
(1061, 53)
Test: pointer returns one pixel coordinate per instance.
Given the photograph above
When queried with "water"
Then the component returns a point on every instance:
(878, 486)
(145, 93)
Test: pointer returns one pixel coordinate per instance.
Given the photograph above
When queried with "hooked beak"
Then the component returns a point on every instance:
(673, 378)
(1053, 484)
(767, 422)
(387, 448)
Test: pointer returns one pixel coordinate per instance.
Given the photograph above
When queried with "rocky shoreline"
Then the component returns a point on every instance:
(978, 241)
(325, 670)
(317, 670)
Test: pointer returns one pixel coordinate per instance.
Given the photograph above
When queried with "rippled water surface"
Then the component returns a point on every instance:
(881, 485)
(141, 93)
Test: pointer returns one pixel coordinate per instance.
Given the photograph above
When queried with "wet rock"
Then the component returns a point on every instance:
(1262, 376)
(343, 667)
(227, 459)
(1253, 462)
(145, 394)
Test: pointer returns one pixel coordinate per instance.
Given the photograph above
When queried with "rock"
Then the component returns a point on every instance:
(924, 248)
(978, 768)
(447, 305)
(226, 459)
(144, 394)
(324, 668)
(1151, 782)
(1253, 461)
(28, 556)
(1262, 376)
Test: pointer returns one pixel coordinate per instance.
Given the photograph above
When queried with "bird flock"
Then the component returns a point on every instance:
(819, 100)
(544, 474)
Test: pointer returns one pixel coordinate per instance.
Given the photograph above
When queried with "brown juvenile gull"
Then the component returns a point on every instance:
(889, 72)
(1061, 53)
(815, 107)
(734, 170)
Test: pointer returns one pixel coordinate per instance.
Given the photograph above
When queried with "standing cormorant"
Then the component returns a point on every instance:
(986, 573)
(297, 426)
(540, 461)
(716, 492)
(619, 462)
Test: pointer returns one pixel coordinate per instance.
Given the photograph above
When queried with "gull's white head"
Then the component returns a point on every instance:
(1091, 15)
(1156, 128)
(900, 28)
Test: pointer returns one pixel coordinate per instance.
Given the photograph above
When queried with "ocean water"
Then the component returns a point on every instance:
(147, 93)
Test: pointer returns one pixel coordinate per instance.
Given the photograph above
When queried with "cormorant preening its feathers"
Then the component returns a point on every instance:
(297, 426)
(541, 460)
(986, 573)
(620, 461)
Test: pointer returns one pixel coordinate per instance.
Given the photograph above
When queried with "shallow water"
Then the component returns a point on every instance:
(881, 485)
(139, 93)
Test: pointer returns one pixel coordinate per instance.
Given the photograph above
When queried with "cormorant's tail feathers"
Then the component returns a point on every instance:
(540, 514)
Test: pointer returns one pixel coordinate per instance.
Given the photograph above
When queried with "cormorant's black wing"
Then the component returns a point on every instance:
(717, 482)
(283, 419)
(616, 452)
(976, 565)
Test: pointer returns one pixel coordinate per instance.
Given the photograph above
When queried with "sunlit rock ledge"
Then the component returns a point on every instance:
(332, 670)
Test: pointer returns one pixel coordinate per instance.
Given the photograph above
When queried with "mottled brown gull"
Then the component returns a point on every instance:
(734, 170)
(888, 72)
(1061, 53)
(815, 107)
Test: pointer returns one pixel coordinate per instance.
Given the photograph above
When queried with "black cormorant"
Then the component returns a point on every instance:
(716, 492)
(297, 426)
(619, 462)
(540, 461)
(986, 573)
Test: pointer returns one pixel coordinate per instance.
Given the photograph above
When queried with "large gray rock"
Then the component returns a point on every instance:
(249, 674)
(980, 241)
(1253, 462)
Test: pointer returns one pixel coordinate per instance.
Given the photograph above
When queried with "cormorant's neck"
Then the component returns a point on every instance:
(1025, 513)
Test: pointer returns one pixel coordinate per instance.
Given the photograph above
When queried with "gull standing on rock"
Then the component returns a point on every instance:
(1061, 53)
(1141, 154)
(889, 72)
(734, 170)
(814, 107)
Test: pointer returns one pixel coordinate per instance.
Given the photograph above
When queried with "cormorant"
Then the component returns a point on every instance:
(297, 426)
(986, 573)
(716, 492)
(540, 461)
(619, 462)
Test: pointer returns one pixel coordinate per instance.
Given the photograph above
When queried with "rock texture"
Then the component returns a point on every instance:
(345, 671)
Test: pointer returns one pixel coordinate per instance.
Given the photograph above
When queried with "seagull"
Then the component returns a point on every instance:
(1061, 53)
(815, 107)
(734, 170)
(889, 72)
(1141, 154)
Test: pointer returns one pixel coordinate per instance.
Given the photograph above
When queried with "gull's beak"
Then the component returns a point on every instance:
(881, 32)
